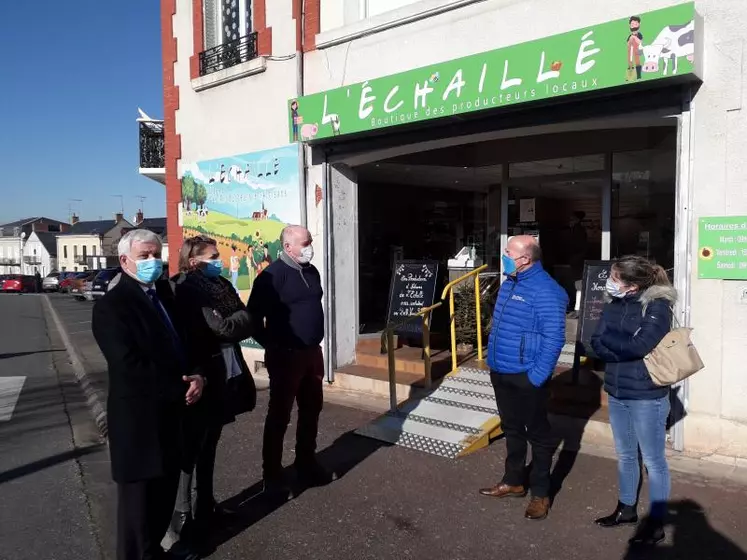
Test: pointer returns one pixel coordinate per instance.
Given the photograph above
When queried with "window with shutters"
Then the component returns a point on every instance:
(229, 39)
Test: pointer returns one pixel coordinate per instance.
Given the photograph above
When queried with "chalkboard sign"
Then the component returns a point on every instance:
(413, 287)
(593, 290)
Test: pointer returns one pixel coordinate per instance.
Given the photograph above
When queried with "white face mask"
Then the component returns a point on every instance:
(307, 253)
(614, 289)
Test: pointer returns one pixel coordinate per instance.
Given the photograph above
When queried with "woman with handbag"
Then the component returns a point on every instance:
(217, 321)
(634, 321)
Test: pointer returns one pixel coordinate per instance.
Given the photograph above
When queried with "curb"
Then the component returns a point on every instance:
(95, 400)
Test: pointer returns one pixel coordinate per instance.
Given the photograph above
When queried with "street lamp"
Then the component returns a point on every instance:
(20, 255)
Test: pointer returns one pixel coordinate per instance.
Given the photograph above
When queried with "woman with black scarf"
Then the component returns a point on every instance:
(217, 321)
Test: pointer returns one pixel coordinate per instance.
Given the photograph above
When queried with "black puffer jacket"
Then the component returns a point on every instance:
(631, 327)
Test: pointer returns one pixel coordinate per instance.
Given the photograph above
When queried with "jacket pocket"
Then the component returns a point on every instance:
(522, 348)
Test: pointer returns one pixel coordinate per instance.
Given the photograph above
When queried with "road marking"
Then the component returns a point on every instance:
(10, 390)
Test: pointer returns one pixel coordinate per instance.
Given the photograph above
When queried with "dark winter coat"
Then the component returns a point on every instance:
(146, 402)
(210, 322)
(631, 327)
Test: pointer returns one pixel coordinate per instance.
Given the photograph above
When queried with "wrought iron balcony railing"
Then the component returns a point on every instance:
(11, 261)
(228, 54)
(151, 145)
(32, 260)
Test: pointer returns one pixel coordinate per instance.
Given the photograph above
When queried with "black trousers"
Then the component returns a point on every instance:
(199, 459)
(143, 514)
(523, 410)
(295, 376)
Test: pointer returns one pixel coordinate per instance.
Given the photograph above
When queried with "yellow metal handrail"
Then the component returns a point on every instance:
(449, 290)
(388, 336)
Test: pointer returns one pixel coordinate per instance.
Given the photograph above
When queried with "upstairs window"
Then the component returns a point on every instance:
(228, 35)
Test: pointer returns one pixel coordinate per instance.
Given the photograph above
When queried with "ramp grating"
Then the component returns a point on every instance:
(459, 417)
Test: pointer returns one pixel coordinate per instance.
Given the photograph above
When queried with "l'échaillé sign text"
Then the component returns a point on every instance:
(657, 45)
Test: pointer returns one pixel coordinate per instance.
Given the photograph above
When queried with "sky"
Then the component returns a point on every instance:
(74, 74)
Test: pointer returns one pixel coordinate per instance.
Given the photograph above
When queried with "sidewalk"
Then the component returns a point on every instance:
(393, 503)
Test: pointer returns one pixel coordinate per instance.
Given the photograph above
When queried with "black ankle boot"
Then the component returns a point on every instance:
(623, 515)
(650, 533)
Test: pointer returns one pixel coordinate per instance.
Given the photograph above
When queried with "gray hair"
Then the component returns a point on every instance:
(137, 236)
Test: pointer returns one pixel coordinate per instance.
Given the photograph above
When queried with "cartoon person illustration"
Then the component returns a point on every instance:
(266, 259)
(296, 119)
(235, 263)
(635, 48)
(251, 266)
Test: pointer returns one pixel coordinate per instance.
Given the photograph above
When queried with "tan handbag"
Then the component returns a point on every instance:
(674, 358)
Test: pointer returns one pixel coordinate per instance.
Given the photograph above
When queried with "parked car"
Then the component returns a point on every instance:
(66, 283)
(101, 282)
(78, 284)
(19, 284)
(52, 282)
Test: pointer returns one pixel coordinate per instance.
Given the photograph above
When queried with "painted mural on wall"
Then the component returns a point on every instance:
(243, 202)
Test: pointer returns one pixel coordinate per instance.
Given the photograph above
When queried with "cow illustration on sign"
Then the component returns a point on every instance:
(635, 40)
(674, 42)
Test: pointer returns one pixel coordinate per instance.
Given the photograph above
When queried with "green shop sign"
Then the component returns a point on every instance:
(648, 47)
(722, 248)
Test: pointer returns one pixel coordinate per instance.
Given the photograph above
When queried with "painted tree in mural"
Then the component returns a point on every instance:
(200, 196)
(189, 191)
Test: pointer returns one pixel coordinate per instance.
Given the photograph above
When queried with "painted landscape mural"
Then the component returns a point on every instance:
(243, 202)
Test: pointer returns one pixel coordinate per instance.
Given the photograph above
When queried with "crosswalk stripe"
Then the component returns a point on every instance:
(10, 390)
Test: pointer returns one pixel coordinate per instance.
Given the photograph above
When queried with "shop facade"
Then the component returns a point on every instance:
(421, 127)
(556, 136)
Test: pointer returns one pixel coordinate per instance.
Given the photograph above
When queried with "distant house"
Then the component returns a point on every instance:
(15, 235)
(40, 253)
(90, 245)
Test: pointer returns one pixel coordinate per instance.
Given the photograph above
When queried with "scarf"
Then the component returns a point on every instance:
(219, 294)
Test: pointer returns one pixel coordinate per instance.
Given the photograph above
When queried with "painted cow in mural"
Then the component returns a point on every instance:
(673, 42)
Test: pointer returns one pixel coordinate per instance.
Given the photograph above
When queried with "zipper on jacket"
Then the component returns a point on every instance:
(521, 348)
(505, 303)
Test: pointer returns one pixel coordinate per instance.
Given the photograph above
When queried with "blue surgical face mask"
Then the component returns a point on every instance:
(149, 270)
(614, 289)
(213, 268)
(509, 265)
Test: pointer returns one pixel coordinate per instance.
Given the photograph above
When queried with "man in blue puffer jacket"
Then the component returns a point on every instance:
(525, 342)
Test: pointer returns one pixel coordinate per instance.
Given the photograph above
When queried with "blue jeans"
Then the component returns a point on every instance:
(641, 423)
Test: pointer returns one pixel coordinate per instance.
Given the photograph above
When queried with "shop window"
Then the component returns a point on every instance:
(229, 39)
(643, 205)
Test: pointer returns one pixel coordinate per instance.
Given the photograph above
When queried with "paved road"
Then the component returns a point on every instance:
(45, 434)
(392, 503)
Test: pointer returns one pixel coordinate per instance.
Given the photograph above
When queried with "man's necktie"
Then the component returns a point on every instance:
(176, 340)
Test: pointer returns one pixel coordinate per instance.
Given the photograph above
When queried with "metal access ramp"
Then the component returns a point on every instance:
(457, 418)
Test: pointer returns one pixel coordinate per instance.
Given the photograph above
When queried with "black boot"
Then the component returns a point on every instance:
(623, 515)
(650, 533)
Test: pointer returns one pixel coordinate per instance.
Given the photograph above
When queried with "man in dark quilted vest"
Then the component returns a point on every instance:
(525, 342)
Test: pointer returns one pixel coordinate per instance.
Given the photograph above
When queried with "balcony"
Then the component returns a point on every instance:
(32, 260)
(9, 261)
(228, 54)
(151, 148)
(83, 259)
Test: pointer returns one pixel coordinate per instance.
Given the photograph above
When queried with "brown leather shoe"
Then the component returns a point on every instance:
(502, 490)
(538, 508)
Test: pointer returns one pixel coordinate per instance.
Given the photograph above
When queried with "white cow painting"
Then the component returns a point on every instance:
(674, 42)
